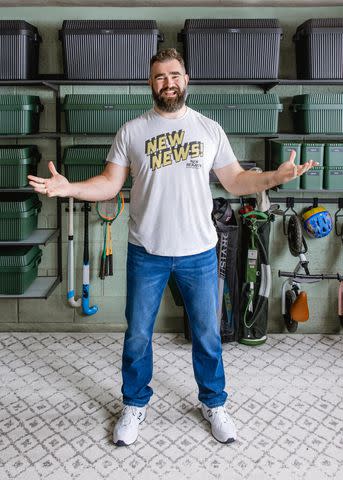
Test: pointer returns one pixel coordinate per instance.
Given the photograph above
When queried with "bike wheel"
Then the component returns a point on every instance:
(291, 324)
(295, 236)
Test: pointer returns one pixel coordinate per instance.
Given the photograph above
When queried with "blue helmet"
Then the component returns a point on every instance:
(317, 222)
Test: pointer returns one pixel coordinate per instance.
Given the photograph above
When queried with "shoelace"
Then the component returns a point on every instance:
(219, 414)
(129, 412)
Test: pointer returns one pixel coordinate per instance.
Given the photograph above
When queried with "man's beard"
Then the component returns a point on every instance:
(172, 104)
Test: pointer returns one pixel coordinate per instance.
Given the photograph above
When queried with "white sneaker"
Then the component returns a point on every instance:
(222, 426)
(126, 429)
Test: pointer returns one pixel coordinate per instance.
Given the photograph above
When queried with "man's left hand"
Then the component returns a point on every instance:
(289, 170)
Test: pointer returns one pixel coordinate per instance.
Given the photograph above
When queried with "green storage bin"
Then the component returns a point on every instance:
(18, 268)
(318, 113)
(102, 113)
(83, 162)
(16, 163)
(280, 152)
(333, 166)
(18, 215)
(239, 113)
(313, 179)
(19, 114)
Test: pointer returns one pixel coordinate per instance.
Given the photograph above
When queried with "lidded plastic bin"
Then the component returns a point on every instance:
(231, 48)
(313, 179)
(102, 113)
(19, 50)
(19, 114)
(280, 152)
(18, 215)
(318, 44)
(318, 113)
(239, 113)
(333, 166)
(108, 49)
(84, 161)
(18, 268)
(16, 162)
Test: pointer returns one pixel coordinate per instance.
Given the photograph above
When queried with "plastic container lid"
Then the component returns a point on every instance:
(19, 27)
(319, 25)
(15, 257)
(316, 101)
(20, 102)
(86, 155)
(106, 101)
(19, 154)
(235, 101)
(237, 25)
(13, 202)
(107, 26)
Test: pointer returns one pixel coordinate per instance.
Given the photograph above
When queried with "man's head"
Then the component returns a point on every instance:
(168, 80)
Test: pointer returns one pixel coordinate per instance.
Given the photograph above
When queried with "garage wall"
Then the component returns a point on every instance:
(54, 314)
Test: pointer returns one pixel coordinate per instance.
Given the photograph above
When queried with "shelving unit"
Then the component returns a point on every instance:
(43, 286)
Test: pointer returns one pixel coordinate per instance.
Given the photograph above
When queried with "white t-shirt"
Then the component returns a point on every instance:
(170, 161)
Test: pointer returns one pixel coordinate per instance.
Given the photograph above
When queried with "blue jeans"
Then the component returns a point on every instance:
(147, 277)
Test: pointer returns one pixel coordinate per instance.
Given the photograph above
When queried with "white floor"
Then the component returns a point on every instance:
(60, 395)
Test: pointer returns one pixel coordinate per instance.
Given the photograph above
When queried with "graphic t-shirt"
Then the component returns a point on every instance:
(170, 161)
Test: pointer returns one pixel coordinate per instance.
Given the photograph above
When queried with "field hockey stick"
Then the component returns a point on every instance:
(70, 288)
(86, 309)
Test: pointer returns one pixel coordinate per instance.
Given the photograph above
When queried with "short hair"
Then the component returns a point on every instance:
(167, 55)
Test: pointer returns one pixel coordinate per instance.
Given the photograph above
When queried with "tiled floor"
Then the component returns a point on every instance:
(60, 395)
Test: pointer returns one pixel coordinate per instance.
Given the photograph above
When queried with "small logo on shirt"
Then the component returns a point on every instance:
(193, 164)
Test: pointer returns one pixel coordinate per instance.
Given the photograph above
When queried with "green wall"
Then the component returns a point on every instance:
(55, 314)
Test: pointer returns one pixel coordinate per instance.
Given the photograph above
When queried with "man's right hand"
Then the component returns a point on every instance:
(55, 186)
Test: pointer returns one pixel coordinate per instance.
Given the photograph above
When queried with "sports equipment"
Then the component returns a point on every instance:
(86, 309)
(70, 293)
(317, 222)
(108, 211)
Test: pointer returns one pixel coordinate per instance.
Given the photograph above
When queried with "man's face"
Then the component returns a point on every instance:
(168, 83)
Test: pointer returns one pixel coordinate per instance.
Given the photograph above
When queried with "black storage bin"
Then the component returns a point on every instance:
(319, 48)
(19, 50)
(231, 48)
(108, 49)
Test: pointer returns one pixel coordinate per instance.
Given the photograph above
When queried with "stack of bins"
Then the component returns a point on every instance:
(280, 152)
(318, 113)
(231, 48)
(108, 49)
(313, 179)
(318, 44)
(103, 113)
(333, 166)
(85, 161)
(16, 162)
(19, 50)
(240, 113)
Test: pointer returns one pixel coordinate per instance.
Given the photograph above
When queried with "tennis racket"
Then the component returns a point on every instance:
(108, 211)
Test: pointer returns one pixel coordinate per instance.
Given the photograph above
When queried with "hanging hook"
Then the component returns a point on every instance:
(289, 205)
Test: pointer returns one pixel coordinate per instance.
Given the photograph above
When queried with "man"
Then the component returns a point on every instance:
(170, 151)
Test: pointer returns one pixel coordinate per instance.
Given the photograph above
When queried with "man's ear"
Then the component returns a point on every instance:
(186, 78)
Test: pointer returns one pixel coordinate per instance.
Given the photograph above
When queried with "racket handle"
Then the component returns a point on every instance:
(106, 265)
(110, 262)
(102, 269)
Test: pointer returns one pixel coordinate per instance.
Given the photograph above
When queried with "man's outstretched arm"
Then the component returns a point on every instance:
(102, 187)
(244, 182)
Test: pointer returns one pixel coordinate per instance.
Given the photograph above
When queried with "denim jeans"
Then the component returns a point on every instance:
(196, 276)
